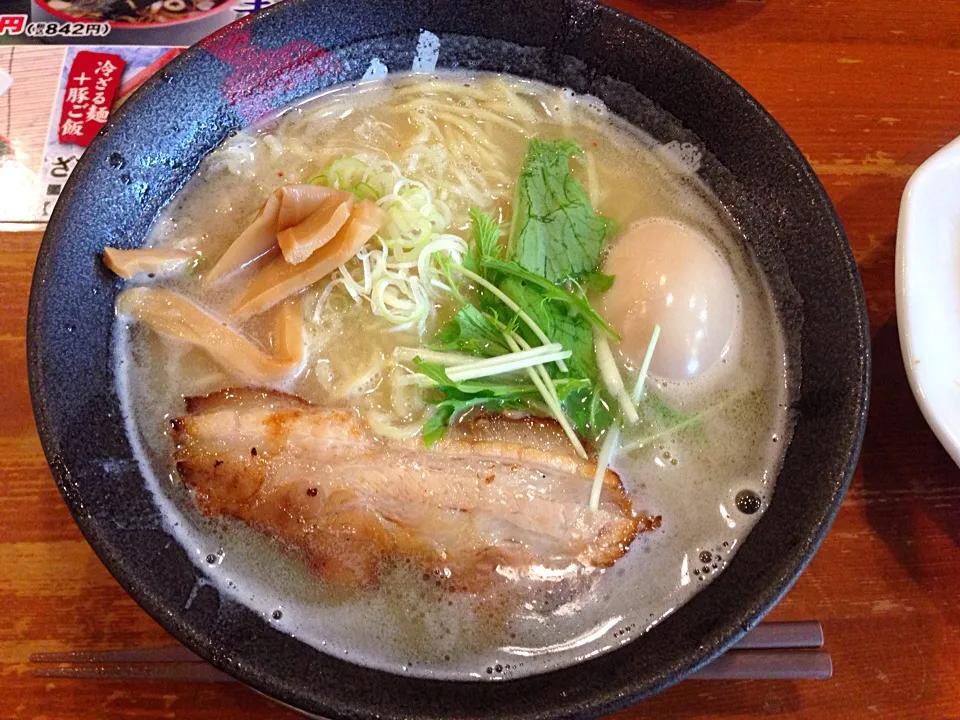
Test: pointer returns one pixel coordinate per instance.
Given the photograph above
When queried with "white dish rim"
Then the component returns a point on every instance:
(927, 287)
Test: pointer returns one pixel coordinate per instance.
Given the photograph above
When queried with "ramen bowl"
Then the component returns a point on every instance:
(293, 50)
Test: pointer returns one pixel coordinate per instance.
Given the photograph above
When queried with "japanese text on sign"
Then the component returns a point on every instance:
(68, 30)
(92, 83)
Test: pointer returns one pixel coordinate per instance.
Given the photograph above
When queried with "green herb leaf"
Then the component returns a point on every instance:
(555, 233)
(489, 387)
(436, 425)
(446, 267)
(553, 292)
(433, 370)
(587, 407)
(596, 282)
(485, 244)
(559, 321)
(470, 331)
(556, 237)
(451, 399)
(481, 386)
(589, 410)
(447, 408)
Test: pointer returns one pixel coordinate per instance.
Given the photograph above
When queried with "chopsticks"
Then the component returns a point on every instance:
(772, 650)
(107, 669)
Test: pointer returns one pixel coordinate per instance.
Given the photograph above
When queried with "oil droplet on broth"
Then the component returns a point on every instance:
(748, 502)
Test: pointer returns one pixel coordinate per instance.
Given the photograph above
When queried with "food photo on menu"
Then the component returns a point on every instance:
(478, 360)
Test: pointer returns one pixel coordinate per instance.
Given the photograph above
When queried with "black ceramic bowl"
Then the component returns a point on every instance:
(295, 48)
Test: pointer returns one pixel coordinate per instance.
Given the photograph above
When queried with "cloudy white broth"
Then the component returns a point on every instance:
(504, 387)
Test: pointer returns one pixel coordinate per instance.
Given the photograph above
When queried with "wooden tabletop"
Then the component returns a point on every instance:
(868, 89)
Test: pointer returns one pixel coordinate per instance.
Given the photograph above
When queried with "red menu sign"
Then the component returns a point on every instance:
(92, 83)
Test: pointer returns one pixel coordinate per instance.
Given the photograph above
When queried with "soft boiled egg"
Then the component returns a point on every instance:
(669, 274)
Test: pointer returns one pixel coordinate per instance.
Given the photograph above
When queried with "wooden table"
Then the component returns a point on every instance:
(868, 89)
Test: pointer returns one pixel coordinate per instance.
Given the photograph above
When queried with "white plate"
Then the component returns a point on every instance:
(928, 291)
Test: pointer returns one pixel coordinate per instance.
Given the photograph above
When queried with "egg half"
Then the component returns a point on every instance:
(669, 274)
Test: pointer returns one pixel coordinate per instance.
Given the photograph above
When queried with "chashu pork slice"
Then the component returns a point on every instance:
(498, 497)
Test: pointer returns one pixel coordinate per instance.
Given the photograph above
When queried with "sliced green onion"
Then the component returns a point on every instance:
(394, 309)
(365, 191)
(407, 354)
(550, 398)
(412, 239)
(478, 370)
(455, 248)
(612, 441)
(541, 370)
(638, 389)
(343, 173)
(508, 357)
(611, 377)
(609, 447)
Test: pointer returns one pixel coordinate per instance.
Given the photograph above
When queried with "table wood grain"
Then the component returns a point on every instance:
(868, 89)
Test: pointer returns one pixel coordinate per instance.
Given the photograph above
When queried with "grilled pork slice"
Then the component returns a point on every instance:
(497, 497)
